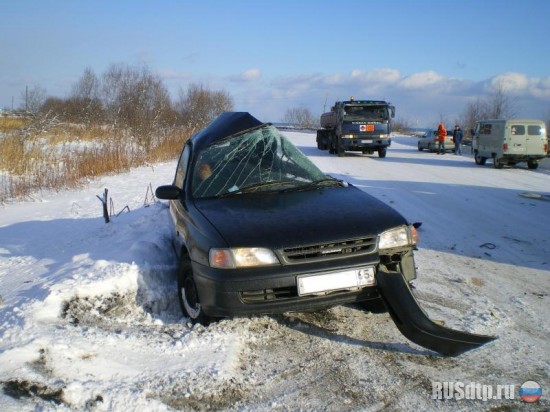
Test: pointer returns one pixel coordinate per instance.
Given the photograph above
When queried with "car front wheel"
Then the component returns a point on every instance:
(188, 294)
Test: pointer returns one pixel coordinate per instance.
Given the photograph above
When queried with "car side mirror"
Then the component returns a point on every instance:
(168, 192)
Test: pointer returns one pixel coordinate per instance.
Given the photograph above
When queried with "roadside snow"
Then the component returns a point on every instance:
(89, 317)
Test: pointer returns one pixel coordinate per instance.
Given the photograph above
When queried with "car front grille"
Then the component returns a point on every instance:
(327, 251)
(266, 295)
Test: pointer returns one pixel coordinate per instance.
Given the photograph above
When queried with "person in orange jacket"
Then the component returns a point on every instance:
(441, 134)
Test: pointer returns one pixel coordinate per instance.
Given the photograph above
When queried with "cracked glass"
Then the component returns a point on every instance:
(257, 160)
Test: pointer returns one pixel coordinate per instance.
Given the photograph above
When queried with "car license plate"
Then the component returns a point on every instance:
(329, 282)
(366, 141)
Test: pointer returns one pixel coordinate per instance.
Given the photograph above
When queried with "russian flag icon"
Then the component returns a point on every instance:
(530, 391)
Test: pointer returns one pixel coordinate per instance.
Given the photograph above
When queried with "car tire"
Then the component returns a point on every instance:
(480, 160)
(419, 148)
(374, 305)
(497, 164)
(532, 164)
(188, 295)
(382, 153)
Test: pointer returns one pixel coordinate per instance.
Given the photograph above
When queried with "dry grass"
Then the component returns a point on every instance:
(9, 124)
(66, 157)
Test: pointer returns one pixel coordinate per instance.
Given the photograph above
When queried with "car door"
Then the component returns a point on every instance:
(178, 207)
(535, 139)
(518, 139)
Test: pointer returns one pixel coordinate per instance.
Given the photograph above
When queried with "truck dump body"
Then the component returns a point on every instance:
(356, 125)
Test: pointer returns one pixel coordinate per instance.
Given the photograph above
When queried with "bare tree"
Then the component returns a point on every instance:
(301, 117)
(198, 106)
(33, 99)
(497, 106)
(477, 110)
(136, 98)
(85, 101)
(501, 106)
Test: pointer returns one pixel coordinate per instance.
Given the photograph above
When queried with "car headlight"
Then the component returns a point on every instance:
(241, 258)
(398, 237)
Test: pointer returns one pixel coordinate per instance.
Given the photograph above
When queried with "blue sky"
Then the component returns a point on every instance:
(429, 58)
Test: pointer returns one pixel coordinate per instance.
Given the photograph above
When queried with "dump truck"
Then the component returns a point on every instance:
(356, 125)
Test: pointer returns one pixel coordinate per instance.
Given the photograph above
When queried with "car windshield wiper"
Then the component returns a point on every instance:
(316, 184)
(256, 186)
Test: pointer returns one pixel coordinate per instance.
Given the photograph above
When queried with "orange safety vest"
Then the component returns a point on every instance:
(441, 133)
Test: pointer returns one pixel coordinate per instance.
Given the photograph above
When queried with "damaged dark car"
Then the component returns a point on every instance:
(259, 229)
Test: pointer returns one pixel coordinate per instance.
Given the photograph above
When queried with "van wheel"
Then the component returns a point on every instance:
(497, 164)
(480, 160)
(532, 164)
(188, 294)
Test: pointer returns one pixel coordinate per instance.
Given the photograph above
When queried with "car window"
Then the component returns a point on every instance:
(181, 170)
(261, 158)
(517, 129)
(534, 130)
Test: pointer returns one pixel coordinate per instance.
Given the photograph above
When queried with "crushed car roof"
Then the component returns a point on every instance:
(225, 125)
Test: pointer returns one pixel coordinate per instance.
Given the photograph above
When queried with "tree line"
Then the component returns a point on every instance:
(130, 97)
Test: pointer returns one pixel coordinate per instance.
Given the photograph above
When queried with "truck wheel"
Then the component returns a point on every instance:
(480, 160)
(532, 164)
(188, 295)
(331, 145)
(382, 153)
(497, 164)
(339, 148)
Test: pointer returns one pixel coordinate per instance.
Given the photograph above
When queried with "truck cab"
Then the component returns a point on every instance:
(356, 125)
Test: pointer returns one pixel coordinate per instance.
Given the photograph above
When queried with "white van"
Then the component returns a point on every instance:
(510, 141)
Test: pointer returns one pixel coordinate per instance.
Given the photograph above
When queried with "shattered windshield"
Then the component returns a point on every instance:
(366, 112)
(260, 159)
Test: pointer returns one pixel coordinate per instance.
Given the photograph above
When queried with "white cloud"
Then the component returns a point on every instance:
(511, 82)
(422, 80)
(252, 74)
(377, 76)
(335, 79)
(540, 88)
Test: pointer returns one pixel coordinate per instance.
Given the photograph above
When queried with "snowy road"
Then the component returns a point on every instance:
(89, 316)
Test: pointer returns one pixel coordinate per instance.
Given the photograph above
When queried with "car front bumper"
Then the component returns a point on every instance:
(270, 290)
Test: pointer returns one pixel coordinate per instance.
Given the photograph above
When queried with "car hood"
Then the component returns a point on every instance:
(278, 220)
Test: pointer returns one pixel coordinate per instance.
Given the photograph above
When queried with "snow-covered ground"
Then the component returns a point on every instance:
(89, 317)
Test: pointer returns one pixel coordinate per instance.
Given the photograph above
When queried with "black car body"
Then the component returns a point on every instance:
(259, 229)
(309, 224)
